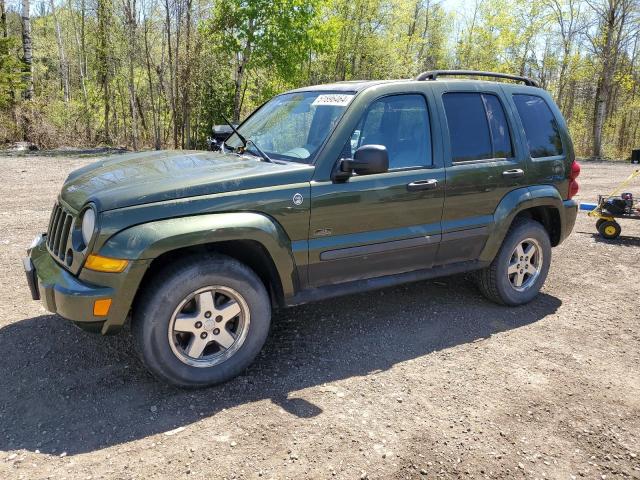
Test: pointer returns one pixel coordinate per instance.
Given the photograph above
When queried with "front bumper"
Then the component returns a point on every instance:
(73, 297)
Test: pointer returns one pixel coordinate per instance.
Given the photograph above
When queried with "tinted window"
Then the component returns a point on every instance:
(400, 123)
(540, 126)
(500, 136)
(478, 127)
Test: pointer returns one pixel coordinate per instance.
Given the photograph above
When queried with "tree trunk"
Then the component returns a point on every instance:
(186, 83)
(82, 67)
(130, 12)
(240, 75)
(564, 64)
(64, 68)
(83, 37)
(238, 90)
(26, 48)
(154, 112)
(172, 94)
(425, 33)
(3, 19)
(104, 73)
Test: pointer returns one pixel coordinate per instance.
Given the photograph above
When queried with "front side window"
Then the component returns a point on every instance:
(293, 126)
(401, 124)
(478, 128)
(540, 126)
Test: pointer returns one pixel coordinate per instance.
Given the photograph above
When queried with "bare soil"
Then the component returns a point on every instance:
(427, 380)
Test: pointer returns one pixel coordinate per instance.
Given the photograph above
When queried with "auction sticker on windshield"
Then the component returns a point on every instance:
(333, 99)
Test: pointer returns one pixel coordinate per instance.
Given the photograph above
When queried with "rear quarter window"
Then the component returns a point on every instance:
(540, 126)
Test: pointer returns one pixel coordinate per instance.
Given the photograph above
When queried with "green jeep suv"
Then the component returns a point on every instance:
(322, 191)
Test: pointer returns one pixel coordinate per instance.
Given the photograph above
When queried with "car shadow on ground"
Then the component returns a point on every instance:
(622, 240)
(64, 390)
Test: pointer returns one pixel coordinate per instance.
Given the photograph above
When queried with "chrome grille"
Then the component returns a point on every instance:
(59, 230)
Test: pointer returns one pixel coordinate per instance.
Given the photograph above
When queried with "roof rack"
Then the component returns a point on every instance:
(434, 74)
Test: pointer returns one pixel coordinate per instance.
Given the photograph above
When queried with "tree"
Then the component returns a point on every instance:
(608, 44)
(103, 62)
(129, 7)
(64, 68)
(27, 51)
(3, 19)
(261, 33)
(567, 14)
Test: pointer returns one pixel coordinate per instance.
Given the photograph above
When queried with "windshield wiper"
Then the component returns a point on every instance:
(246, 141)
(264, 156)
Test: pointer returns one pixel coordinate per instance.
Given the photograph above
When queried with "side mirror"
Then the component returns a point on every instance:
(367, 160)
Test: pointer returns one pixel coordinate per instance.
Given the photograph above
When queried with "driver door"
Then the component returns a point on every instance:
(387, 223)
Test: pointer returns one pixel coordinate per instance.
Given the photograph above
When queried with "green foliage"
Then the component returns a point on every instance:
(10, 72)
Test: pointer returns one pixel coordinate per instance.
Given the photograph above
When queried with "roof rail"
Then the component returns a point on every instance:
(434, 74)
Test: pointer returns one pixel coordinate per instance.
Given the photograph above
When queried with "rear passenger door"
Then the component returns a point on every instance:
(483, 163)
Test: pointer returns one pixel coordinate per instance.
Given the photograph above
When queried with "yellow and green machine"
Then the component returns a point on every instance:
(607, 223)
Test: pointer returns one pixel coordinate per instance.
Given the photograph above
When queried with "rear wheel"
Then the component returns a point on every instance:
(201, 321)
(609, 229)
(521, 266)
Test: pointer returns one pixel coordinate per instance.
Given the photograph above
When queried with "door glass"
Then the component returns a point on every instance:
(540, 126)
(400, 123)
(500, 136)
(468, 127)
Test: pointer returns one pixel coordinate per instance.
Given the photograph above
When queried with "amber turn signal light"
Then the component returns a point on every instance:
(101, 307)
(105, 264)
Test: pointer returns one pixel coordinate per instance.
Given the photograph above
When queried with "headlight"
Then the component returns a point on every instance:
(88, 225)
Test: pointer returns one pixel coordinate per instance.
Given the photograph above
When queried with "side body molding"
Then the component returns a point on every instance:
(515, 202)
(150, 240)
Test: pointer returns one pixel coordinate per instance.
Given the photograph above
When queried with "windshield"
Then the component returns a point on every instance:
(292, 126)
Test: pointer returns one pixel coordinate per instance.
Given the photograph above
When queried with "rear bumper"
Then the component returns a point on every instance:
(73, 297)
(568, 216)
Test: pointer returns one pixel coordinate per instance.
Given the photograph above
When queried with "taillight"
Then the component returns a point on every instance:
(574, 186)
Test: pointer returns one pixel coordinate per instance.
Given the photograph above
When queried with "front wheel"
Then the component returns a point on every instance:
(201, 321)
(521, 266)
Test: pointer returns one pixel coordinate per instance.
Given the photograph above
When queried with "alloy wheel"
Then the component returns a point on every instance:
(209, 326)
(525, 264)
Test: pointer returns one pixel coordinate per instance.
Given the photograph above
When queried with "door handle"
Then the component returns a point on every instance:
(430, 184)
(515, 173)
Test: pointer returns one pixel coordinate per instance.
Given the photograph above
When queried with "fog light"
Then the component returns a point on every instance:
(105, 264)
(101, 307)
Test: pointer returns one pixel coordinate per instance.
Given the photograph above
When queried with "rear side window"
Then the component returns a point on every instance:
(540, 126)
(500, 136)
(478, 127)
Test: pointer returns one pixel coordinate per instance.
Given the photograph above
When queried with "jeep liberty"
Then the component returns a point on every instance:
(323, 191)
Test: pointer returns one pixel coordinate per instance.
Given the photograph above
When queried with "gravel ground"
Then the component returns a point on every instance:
(427, 380)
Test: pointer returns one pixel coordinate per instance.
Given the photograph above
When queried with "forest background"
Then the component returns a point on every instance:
(159, 73)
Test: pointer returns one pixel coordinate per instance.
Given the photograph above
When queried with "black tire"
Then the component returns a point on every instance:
(599, 222)
(166, 292)
(493, 281)
(609, 229)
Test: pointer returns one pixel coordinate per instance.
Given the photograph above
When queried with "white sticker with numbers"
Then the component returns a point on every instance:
(333, 99)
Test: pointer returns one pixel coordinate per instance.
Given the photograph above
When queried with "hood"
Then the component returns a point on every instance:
(137, 178)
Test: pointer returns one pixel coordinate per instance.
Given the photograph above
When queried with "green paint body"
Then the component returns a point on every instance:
(153, 203)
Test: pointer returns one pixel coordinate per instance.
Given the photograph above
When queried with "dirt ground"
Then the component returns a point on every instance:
(427, 380)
